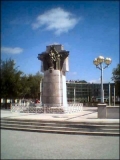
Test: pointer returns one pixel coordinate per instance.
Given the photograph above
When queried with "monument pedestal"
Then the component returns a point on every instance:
(52, 88)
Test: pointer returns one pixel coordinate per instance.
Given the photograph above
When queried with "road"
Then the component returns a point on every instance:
(35, 145)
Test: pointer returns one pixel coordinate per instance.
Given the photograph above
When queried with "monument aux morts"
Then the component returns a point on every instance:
(54, 65)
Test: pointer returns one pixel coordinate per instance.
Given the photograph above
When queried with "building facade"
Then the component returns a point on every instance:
(82, 91)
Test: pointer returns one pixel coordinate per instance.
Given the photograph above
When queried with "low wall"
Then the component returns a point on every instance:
(108, 112)
(113, 112)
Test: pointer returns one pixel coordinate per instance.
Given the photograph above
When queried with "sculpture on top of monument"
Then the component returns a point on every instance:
(53, 59)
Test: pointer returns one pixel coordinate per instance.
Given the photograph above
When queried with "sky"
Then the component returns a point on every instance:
(87, 29)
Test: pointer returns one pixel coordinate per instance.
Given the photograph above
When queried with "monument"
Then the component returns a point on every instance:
(54, 65)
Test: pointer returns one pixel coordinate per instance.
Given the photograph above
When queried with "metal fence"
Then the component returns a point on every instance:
(22, 108)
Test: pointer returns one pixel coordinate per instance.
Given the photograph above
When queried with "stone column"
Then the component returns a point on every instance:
(54, 66)
(52, 88)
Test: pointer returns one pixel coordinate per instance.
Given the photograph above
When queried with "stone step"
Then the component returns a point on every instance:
(92, 129)
(61, 131)
(80, 125)
(98, 128)
(60, 122)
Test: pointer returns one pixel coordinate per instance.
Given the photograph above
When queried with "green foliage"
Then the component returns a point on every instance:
(116, 79)
(32, 85)
(15, 84)
(10, 79)
(116, 73)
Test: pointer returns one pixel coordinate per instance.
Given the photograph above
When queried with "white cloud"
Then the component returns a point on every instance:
(10, 50)
(57, 20)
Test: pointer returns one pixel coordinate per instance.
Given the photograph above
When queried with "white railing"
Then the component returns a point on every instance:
(22, 108)
(26, 108)
(74, 107)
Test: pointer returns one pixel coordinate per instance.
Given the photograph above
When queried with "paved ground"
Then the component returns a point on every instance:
(89, 114)
(34, 145)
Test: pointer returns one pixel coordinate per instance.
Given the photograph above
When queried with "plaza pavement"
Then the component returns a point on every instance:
(89, 114)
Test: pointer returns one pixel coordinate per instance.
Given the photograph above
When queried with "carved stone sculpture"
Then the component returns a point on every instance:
(53, 59)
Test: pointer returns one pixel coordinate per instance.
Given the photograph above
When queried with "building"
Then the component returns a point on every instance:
(82, 91)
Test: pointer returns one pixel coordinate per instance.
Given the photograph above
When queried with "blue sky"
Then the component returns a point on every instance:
(87, 29)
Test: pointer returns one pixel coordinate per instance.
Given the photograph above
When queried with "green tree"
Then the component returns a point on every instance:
(25, 87)
(116, 79)
(34, 83)
(31, 85)
(15, 84)
(10, 79)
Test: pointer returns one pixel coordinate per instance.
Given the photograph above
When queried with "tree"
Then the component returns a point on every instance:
(116, 79)
(34, 83)
(15, 84)
(30, 85)
(10, 79)
(25, 88)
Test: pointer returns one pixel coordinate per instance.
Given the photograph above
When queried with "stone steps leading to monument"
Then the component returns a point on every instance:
(62, 132)
(63, 124)
(40, 121)
(90, 128)
(61, 127)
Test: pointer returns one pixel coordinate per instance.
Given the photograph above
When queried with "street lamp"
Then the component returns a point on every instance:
(41, 91)
(99, 64)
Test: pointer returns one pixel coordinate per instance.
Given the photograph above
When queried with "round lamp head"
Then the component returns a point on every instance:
(95, 62)
(100, 59)
(108, 61)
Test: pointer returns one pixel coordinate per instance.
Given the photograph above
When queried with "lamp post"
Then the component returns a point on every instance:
(114, 95)
(99, 64)
(41, 91)
(74, 95)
